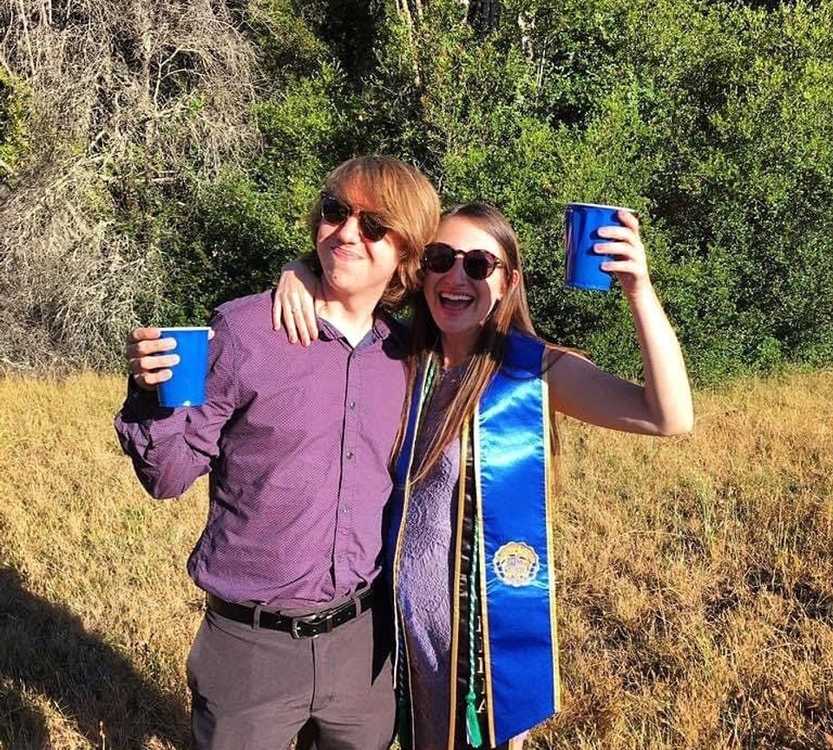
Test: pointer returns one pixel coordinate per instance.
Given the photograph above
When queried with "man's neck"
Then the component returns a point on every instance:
(352, 317)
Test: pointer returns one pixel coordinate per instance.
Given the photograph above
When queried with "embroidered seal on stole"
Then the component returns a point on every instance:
(516, 564)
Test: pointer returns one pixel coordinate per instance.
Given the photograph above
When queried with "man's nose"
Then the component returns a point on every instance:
(349, 229)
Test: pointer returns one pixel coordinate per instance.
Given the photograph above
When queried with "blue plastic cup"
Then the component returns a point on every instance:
(187, 385)
(582, 222)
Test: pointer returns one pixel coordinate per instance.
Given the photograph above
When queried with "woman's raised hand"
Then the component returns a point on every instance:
(663, 405)
(629, 264)
(294, 303)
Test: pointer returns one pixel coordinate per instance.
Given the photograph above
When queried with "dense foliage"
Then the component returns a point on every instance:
(712, 119)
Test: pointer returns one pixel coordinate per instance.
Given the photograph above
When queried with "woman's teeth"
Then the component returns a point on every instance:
(455, 301)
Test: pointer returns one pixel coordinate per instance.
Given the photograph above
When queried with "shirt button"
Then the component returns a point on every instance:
(352, 404)
(349, 455)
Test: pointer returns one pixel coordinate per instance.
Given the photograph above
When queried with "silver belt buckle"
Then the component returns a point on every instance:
(313, 620)
(293, 628)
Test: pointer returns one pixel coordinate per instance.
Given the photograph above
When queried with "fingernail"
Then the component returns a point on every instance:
(177, 359)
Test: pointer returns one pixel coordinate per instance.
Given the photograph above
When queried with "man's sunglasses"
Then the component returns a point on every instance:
(439, 257)
(335, 211)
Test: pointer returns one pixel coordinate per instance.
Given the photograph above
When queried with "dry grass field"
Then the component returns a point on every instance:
(696, 582)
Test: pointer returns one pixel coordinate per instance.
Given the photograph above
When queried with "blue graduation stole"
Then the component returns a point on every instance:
(514, 546)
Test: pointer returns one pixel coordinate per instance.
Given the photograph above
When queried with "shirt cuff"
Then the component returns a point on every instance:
(141, 405)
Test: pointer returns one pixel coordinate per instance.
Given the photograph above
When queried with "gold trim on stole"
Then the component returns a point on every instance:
(484, 610)
(406, 497)
(550, 511)
(455, 611)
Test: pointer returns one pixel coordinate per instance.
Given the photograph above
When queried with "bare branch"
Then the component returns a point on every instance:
(69, 277)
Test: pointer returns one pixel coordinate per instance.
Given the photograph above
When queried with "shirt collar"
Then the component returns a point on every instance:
(327, 331)
(384, 327)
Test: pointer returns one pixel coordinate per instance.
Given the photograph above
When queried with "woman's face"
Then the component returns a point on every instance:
(458, 303)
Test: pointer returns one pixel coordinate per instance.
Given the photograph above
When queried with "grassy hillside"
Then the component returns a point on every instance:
(696, 596)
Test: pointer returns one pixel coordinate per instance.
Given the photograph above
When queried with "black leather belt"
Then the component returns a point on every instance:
(307, 626)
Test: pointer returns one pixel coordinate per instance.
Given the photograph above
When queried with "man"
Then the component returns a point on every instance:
(298, 445)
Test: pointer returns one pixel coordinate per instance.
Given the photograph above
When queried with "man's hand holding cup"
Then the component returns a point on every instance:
(153, 363)
(146, 356)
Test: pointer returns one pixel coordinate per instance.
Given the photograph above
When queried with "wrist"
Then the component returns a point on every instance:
(641, 294)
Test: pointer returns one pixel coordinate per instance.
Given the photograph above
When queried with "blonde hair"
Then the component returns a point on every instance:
(404, 200)
(511, 312)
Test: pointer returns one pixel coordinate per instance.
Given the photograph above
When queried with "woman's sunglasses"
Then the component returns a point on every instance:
(438, 257)
(335, 211)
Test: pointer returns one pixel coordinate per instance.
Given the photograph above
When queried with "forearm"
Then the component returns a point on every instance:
(667, 392)
(164, 459)
(170, 448)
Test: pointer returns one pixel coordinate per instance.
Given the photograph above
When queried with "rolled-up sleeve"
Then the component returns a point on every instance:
(171, 448)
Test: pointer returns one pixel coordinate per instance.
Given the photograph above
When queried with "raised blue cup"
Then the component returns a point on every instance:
(187, 385)
(582, 222)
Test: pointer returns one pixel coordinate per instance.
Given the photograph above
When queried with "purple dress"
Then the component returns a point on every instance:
(425, 574)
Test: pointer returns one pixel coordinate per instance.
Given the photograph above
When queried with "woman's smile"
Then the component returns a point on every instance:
(455, 301)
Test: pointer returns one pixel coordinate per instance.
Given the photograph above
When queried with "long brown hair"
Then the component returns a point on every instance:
(404, 200)
(512, 311)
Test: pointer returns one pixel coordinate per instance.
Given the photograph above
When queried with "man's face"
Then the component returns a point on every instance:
(352, 262)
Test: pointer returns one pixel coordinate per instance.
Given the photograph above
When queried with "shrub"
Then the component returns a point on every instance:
(124, 110)
(709, 118)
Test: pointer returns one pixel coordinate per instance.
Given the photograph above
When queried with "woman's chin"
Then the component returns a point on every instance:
(459, 330)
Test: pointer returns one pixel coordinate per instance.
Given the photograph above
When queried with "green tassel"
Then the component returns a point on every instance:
(405, 736)
(403, 708)
(473, 735)
(404, 726)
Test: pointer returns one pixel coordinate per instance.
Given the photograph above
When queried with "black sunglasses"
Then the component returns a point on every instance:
(439, 257)
(335, 211)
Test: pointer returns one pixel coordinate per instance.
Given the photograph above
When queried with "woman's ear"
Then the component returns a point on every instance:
(510, 284)
(512, 281)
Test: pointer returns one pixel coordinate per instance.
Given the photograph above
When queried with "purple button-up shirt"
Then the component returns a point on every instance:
(298, 444)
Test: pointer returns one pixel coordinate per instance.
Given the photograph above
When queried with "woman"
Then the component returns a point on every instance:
(470, 550)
